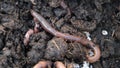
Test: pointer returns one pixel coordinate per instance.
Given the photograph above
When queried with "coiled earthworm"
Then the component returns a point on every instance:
(79, 39)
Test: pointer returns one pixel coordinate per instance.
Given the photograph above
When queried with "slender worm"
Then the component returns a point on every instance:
(66, 7)
(30, 32)
(27, 36)
(79, 39)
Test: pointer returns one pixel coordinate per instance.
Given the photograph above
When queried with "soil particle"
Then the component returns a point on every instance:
(54, 3)
(68, 29)
(12, 49)
(46, 11)
(7, 8)
(2, 38)
(86, 15)
(35, 54)
(97, 65)
(59, 12)
(6, 51)
(39, 38)
(7, 62)
(4, 62)
(117, 34)
(38, 45)
(72, 4)
(8, 21)
(84, 12)
(84, 25)
(56, 49)
(113, 63)
(108, 48)
(76, 52)
(9, 15)
(117, 50)
(59, 23)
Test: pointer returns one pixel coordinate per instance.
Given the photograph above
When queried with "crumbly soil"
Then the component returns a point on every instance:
(92, 16)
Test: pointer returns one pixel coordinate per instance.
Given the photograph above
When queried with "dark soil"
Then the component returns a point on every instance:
(86, 15)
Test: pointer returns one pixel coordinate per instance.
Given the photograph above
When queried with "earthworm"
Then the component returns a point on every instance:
(46, 26)
(66, 7)
(62, 4)
(27, 36)
(30, 32)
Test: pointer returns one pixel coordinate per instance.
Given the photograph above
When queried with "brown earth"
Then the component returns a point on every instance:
(86, 15)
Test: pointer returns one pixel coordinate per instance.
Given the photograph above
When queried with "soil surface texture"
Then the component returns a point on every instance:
(101, 18)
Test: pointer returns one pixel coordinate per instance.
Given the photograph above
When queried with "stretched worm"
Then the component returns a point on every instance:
(79, 39)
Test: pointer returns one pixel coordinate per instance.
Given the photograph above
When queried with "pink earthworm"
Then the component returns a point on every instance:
(27, 36)
(30, 32)
(46, 26)
(66, 7)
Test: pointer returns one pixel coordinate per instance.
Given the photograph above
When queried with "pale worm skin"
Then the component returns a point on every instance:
(30, 32)
(46, 26)
(27, 35)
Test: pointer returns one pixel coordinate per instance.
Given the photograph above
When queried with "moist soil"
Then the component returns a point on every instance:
(93, 16)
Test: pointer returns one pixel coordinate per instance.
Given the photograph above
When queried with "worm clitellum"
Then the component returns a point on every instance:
(46, 26)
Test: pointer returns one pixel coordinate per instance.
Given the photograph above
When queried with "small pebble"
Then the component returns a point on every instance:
(33, 2)
(76, 66)
(104, 32)
(85, 64)
(88, 35)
